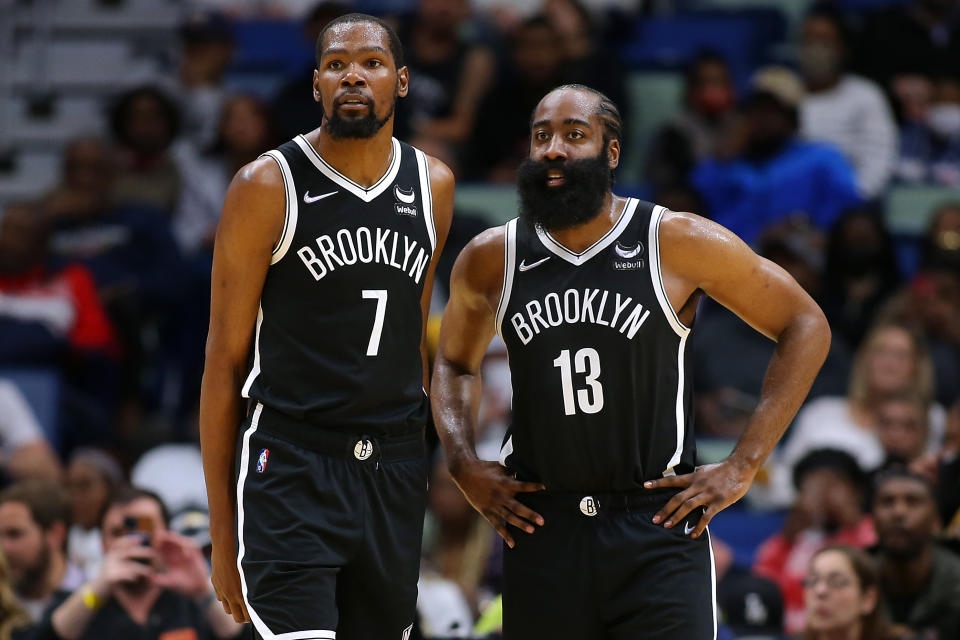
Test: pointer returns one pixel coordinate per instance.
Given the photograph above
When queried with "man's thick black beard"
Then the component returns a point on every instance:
(365, 127)
(579, 199)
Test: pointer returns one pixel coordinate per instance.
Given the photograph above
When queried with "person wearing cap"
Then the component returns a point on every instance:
(765, 174)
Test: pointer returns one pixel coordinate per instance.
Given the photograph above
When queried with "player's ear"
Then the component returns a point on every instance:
(613, 153)
(403, 81)
(316, 86)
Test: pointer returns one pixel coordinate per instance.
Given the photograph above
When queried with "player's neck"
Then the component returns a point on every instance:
(582, 236)
(363, 160)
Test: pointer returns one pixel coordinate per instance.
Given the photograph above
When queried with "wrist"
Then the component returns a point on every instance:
(460, 461)
(747, 465)
(93, 596)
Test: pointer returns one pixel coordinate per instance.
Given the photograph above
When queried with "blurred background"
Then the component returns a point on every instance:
(825, 134)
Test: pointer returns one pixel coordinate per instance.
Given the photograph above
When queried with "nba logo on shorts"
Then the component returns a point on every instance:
(406, 632)
(262, 460)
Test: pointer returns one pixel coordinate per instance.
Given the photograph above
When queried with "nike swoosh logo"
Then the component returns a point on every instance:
(308, 199)
(687, 528)
(526, 267)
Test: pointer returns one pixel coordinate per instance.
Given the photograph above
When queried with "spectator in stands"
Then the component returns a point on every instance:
(919, 581)
(244, 131)
(14, 621)
(828, 510)
(25, 453)
(33, 536)
(844, 109)
(729, 357)
(941, 244)
(891, 360)
(293, 105)
(145, 121)
(93, 476)
(52, 318)
(914, 38)
(843, 600)
(948, 474)
(930, 133)
(931, 304)
(861, 273)
(458, 551)
(451, 70)
(693, 135)
(207, 49)
(588, 56)
(128, 247)
(765, 174)
(502, 134)
(152, 581)
(902, 428)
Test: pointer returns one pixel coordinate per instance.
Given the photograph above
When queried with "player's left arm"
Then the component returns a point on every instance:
(699, 255)
(442, 188)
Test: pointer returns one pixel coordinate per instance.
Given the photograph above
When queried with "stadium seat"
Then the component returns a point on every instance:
(653, 97)
(495, 203)
(909, 209)
(744, 36)
(41, 389)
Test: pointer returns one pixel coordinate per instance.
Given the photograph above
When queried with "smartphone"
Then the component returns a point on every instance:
(142, 527)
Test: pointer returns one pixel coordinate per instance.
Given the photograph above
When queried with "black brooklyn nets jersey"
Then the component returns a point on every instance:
(338, 331)
(601, 390)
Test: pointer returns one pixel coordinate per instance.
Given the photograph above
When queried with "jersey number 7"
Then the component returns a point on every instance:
(380, 295)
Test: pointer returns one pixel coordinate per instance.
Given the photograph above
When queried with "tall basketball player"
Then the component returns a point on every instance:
(597, 493)
(322, 275)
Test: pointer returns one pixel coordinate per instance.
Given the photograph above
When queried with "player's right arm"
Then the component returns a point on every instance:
(250, 226)
(467, 328)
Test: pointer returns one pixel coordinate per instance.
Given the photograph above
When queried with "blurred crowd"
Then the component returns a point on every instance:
(104, 301)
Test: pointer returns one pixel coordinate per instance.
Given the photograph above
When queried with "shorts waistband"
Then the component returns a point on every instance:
(348, 446)
(596, 503)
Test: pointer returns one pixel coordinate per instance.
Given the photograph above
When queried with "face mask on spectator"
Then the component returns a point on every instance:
(819, 61)
(714, 101)
(944, 119)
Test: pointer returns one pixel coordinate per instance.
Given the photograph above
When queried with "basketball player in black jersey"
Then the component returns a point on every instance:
(597, 493)
(322, 275)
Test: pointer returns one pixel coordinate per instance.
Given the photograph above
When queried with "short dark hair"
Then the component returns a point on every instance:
(829, 12)
(47, 502)
(607, 111)
(903, 473)
(840, 462)
(126, 495)
(121, 107)
(396, 48)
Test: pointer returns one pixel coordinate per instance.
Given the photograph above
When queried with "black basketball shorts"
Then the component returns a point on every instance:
(329, 529)
(599, 569)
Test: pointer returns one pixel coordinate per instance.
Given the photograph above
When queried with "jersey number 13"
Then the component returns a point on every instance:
(589, 399)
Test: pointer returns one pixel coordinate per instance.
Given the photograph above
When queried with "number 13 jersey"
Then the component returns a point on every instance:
(337, 340)
(601, 386)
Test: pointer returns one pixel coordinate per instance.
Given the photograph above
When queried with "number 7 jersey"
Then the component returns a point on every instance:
(337, 339)
(601, 380)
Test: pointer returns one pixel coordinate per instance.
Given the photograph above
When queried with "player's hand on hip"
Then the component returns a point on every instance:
(492, 491)
(226, 582)
(713, 487)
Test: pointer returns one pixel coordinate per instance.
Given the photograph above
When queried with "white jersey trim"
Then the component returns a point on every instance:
(577, 259)
(258, 623)
(291, 210)
(255, 369)
(366, 194)
(713, 581)
(427, 194)
(509, 265)
(657, 277)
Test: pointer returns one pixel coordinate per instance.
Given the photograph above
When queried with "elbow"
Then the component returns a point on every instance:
(816, 332)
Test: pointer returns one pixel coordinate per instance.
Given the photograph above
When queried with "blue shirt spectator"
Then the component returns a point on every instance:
(765, 174)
